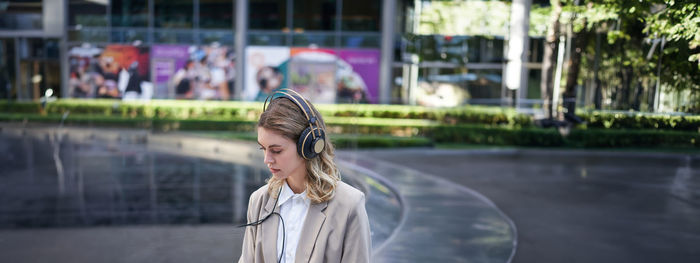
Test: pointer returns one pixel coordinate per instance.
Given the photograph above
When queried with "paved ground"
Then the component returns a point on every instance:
(153, 244)
(568, 206)
(441, 222)
(580, 206)
(97, 214)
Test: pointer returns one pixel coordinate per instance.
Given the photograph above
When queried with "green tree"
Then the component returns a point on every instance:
(626, 67)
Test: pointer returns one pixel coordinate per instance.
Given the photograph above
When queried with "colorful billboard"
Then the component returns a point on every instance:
(266, 70)
(321, 75)
(358, 75)
(166, 61)
(193, 72)
(115, 71)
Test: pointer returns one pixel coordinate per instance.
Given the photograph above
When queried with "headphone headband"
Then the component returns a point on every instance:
(308, 146)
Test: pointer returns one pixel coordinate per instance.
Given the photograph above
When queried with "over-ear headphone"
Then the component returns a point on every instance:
(312, 140)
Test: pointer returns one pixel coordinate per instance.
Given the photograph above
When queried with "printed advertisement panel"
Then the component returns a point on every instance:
(358, 75)
(113, 71)
(193, 72)
(313, 74)
(321, 75)
(266, 71)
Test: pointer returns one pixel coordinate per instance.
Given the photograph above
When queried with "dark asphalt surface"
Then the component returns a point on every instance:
(580, 206)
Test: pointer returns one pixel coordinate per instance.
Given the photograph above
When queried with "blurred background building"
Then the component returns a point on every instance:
(79, 48)
(432, 53)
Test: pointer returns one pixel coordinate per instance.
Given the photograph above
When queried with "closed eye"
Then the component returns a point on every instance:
(272, 151)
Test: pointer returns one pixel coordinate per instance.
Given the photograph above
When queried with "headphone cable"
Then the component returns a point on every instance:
(284, 232)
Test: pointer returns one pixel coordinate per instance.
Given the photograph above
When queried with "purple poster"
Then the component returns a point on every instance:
(166, 60)
(364, 74)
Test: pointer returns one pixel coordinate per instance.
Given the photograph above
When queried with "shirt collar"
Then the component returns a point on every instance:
(287, 194)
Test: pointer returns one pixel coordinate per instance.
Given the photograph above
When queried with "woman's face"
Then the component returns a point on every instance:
(281, 155)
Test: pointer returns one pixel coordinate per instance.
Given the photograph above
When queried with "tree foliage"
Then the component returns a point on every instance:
(637, 36)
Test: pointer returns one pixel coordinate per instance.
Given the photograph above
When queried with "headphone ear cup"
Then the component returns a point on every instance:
(310, 145)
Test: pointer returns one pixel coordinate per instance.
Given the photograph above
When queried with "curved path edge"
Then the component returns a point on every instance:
(441, 221)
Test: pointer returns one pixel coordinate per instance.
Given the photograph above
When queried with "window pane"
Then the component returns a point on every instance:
(25, 14)
(87, 13)
(268, 14)
(321, 40)
(266, 39)
(361, 15)
(173, 13)
(216, 13)
(224, 37)
(492, 50)
(360, 41)
(314, 15)
(129, 13)
(7, 69)
(89, 35)
(174, 36)
(129, 35)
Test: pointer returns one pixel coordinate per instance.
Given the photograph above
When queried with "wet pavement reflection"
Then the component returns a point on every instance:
(105, 183)
(580, 206)
(134, 192)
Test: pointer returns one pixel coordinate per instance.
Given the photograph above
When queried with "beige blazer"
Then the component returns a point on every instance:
(333, 231)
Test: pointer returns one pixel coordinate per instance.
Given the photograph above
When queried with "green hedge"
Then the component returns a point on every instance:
(411, 115)
(605, 138)
(345, 127)
(456, 115)
(173, 109)
(605, 120)
(577, 138)
(472, 134)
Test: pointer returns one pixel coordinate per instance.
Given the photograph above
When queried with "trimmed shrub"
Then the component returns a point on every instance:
(604, 120)
(238, 110)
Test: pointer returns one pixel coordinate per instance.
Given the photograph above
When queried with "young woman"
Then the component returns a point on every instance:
(304, 213)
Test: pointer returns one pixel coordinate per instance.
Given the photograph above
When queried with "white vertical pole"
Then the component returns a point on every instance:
(387, 50)
(557, 75)
(241, 25)
(518, 44)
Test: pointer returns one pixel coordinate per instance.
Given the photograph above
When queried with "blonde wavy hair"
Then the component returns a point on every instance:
(286, 118)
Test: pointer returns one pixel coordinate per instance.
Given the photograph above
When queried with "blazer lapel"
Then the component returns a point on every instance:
(312, 226)
(269, 231)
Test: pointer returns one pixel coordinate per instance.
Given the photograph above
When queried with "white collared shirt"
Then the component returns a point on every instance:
(293, 208)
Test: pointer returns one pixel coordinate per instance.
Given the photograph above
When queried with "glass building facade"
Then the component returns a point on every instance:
(330, 50)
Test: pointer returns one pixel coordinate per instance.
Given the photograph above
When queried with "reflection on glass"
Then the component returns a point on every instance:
(492, 50)
(485, 86)
(25, 14)
(536, 49)
(267, 14)
(89, 35)
(39, 68)
(174, 37)
(129, 13)
(129, 35)
(360, 41)
(533, 83)
(315, 15)
(216, 13)
(7, 69)
(321, 40)
(456, 49)
(224, 37)
(266, 39)
(361, 15)
(87, 13)
(173, 13)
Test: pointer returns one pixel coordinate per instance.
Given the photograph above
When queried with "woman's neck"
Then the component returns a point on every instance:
(297, 185)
